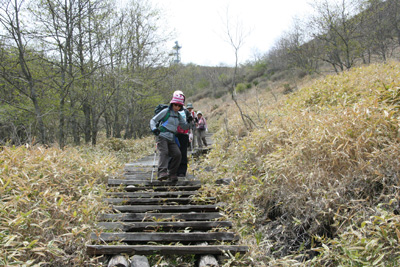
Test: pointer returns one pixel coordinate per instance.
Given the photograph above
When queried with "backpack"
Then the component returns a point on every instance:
(158, 109)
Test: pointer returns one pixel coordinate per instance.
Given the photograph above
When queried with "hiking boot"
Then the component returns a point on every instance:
(163, 176)
(173, 178)
(181, 175)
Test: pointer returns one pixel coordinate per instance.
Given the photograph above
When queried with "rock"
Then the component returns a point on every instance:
(118, 261)
(139, 261)
(208, 261)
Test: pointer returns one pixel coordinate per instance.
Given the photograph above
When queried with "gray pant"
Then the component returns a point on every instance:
(168, 149)
(194, 132)
(201, 138)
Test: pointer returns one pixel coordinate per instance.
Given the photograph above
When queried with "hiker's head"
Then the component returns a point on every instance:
(177, 102)
(189, 107)
(180, 93)
(199, 114)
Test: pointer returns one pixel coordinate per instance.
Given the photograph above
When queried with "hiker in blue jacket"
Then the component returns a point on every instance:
(183, 138)
(167, 143)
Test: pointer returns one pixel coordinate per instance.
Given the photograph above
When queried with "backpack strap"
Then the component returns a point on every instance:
(166, 117)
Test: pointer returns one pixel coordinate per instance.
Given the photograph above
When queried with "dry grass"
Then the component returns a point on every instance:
(49, 199)
(321, 163)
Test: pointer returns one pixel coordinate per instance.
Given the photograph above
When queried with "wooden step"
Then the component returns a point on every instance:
(151, 194)
(118, 182)
(164, 226)
(150, 211)
(133, 188)
(165, 237)
(157, 216)
(166, 208)
(141, 176)
(135, 168)
(163, 250)
(150, 201)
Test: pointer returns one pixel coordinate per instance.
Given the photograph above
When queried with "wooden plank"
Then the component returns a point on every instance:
(150, 201)
(163, 250)
(163, 226)
(167, 208)
(156, 216)
(165, 237)
(151, 194)
(118, 182)
(138, 168)
(147, 175)
(133, 188)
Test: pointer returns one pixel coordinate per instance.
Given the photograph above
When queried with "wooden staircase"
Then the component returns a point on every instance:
(154, 217)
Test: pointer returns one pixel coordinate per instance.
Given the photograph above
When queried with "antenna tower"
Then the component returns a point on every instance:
(177, 55)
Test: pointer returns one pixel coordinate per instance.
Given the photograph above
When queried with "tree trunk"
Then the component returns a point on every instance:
(94, 127)
(117, 126)
(108, 125)
(75, 130)
(62, 123)
(86, 128)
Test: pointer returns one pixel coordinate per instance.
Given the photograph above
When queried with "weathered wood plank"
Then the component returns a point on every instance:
(156, 216)
(151, 194)
(164, 237)
(118, 182)
(164, 226)
(134, 167)
(150, 201)
(163, 250)
(167, 208)
(147, 175)
(133, 188)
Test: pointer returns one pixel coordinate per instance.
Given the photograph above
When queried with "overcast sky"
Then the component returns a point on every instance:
(199, 26)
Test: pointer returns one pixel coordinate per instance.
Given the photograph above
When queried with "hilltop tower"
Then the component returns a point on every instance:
(177, 55)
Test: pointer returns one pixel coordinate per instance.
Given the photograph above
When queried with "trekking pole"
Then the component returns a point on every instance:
(154, 164)
(191, 146)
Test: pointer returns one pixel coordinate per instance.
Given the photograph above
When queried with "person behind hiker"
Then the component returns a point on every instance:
(201, 128)
(167, 143)
(192, 135)
(183, 138)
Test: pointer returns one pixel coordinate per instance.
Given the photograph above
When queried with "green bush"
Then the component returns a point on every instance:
(240, 88)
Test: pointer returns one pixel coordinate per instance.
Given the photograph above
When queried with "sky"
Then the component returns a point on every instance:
(200, 27)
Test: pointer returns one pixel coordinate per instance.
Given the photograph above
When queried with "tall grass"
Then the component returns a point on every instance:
(321, 164)
(49, 199)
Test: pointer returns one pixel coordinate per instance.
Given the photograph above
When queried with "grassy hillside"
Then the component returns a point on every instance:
(49, 199)
(317, 183)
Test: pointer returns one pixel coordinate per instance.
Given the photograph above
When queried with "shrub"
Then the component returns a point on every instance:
(240, 88)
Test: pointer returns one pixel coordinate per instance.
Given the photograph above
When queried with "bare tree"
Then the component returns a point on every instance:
(393, 13)
(24, 79)
(236, 35)
(337, 27)
(57, 20)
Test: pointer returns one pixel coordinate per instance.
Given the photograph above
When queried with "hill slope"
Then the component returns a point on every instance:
(320, 174)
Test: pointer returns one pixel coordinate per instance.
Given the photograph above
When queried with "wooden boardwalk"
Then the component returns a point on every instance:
(153, 217)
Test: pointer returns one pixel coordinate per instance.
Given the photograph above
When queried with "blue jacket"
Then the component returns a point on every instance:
(175, 119)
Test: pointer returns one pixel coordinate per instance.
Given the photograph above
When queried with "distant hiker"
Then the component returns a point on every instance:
(192, 135)
(183, 137)
(201, 128)
(167, 143)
